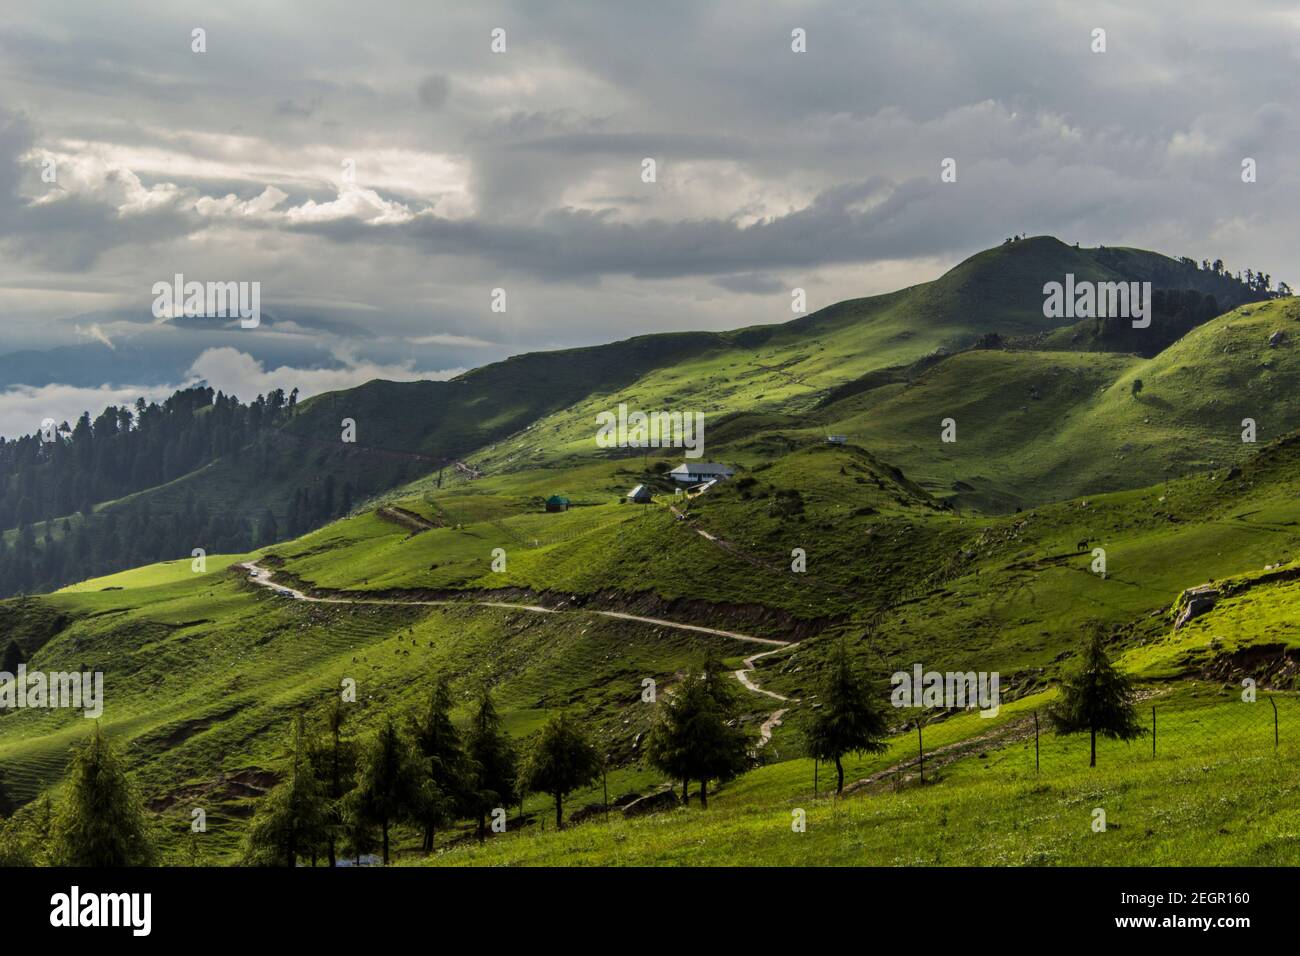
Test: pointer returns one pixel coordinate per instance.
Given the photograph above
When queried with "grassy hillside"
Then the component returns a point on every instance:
(1219, 794)
(810, 543)
(203, 675)
(1035, 426)
(539, 409)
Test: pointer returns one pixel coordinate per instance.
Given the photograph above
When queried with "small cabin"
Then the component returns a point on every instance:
(640, 495)
(557, 503)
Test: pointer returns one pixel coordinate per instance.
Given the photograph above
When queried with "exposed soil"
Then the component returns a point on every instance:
(1271, 665)
(407, 519)
(249, 782)
(185, 730)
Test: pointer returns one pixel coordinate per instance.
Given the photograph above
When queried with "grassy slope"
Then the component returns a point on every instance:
(204, 672)
(785, 369)
(1044, 426)
(1216, 793)
(539, 408)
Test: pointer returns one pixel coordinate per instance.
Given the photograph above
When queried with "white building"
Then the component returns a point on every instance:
(698, 472)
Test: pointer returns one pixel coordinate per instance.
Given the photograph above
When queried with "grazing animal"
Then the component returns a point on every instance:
(1082, 545)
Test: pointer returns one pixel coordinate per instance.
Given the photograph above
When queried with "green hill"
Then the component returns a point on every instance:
(455, 568)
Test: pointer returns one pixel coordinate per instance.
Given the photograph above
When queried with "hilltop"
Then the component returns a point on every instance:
(535, 409)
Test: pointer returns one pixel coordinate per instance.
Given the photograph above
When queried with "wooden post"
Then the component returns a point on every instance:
(1153, 730)
(814, 778)
(920, 750)
(604, 782)
(1035, 741)
(1275, 736)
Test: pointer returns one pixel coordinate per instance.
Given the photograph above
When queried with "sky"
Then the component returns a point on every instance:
(380, 170)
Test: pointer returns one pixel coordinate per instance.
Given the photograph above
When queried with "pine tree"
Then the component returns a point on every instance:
(101, 821)
(389, 784)
(848, 721)
(695, 737)
(563, 759)
(291, 819)
(666, 744)
(268, 531)
(334, 759)
(439, 743)
(13, 656)
(494, 776)
(6, 802)
(1096, 698)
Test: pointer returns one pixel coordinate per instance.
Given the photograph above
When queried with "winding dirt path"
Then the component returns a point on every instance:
(265, 578)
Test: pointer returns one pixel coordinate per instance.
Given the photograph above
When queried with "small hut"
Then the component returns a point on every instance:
(557, 503)
(640, 495)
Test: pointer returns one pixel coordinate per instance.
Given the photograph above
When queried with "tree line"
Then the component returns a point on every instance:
(70, 468)
(344, 795)
(51, 488)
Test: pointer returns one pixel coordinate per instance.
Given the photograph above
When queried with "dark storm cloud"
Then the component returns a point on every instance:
(433, 92)
(475, 169)
(750, 284)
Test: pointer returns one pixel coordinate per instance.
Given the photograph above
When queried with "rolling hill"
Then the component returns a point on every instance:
(536, 409)
(979, 554)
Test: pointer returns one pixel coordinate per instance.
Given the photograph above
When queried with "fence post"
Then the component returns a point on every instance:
(1275, 737)
(1035, 741)
(1153, 730)
(920, 750)
(814, 778)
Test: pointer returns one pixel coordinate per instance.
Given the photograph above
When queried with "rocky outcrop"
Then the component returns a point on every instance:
(652, 803)
(1194, 602)
(589, 812)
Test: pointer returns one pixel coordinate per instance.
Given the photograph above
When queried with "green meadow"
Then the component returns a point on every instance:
(1068, 500)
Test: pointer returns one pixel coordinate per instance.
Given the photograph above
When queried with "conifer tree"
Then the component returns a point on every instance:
(1096, 698)
(562, 760)
(389, 784)
(440, 744)
(334, 759)
(696, 737)
(6, 802)
(848, 721)
(291, 819)
(494, 776)
(13, 656)
(101, 820)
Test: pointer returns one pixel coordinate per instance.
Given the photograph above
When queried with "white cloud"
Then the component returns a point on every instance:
(95, 332)
(238, 373)
(23, 407)
(443, 338)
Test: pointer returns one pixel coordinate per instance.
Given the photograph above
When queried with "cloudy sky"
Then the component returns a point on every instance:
(522, 170)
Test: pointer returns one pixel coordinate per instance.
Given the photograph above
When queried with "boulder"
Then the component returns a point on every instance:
(1194, 602)
(652, 803)
(1276, 339)
(588, 812)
